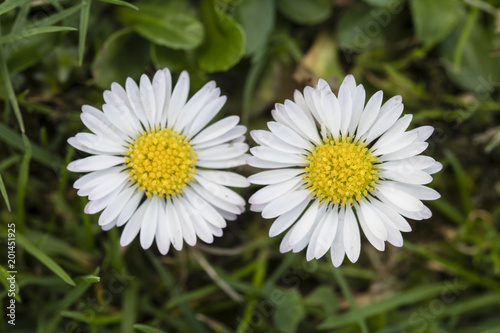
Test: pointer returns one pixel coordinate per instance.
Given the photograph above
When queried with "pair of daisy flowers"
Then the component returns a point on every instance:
(156, 167)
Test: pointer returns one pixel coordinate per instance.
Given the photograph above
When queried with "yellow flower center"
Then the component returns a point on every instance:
(341, 171)
(161, 162)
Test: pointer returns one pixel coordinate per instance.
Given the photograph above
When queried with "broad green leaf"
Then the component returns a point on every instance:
(256, 17)
(147, 329)
(122, 55)
(390, 5)
(479, 68)
(165, 25)
(225, 40)
(323, 296)
(289, 312)
(8, 5)
(120, 3)
(44, 259)
(166, 57)
(358, 30)
(10, 38)
(434, 20)
(306, 11)
(404, 298)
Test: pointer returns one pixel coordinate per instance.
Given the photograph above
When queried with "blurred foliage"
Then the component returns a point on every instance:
(443, 57)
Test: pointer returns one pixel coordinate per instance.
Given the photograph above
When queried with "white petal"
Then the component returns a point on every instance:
(298, 116)
(178, 100)
(391, 103)
(130, 208)
(274, 176)
(418, 191)
(234, 135)
(108, 186)
(394, 237)
(149, 222)
(284, 204)
(76, 144)
(215, 200)
(220, 191)
(266, 138)
(95, 206)
(225, 163)
(337, 250)
(96, 177)
(327, 232)
(224, 178)
(370, 113)
(301, 102)
(274, 191)
(162, 238)
(205, 116)
(204, 209)
(221, 152)
(396, 219)
(304, 224)
(100, 143)
(134, 225)
(120, 118)
(346, 90)
(134, 98)
(216, 129)
(383, 123)
(413, 149)
(375, 241)
(117, 98)
(264, 164)
(273, 155)
(168, 96)
(174, 229)
(352, 239)
(93, 163)
(160, 94)
(399, 142)
(288, 135)
(399, 198)
(284, 221)
(424, 132)
(395, 131)
(186, 223)
(358, 103)
(113, 210)
(373, 220)
(148, 100)
(435, 167)
(195, 104)
(332, 116)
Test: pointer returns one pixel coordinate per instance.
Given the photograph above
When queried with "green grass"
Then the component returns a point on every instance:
(56, 56)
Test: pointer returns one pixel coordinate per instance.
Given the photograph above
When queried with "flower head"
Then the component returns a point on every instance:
(340, 164)
(152, 160)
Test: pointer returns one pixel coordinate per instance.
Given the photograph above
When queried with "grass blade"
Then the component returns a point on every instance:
(52, 19)
(8, 5)
(4, 193)
(40, 155)
(409, 297)
(44, 259)
(84, 24)
(120, 3)
(4, 71)
(147, 329)
(32, 32)
(22, 183)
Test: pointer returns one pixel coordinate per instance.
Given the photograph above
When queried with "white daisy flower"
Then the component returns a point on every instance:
(359, 166)
(152, 160)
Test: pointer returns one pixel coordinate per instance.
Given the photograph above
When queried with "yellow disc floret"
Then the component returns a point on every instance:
(341, 171)
(161, 162)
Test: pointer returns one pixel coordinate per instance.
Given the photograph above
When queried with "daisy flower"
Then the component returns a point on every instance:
(340, 164)
(154, 164)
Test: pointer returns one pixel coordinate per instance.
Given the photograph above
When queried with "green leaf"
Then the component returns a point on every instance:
(165, 25)
(112, 64)
(44, 259)
(147, 329)
(323, 296)
(6, 80)
(352, 31)
(22, 183)
(225, 40)
(407, 297)
(4, 193)
(434, 20)
(172, 59)
(8, 5)
(306, 11)
(120, 3)
(32, 32)
(84, 24)
(478, 71)
(92, 318)
(4, 274)
(256, 17)
(289, 312)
